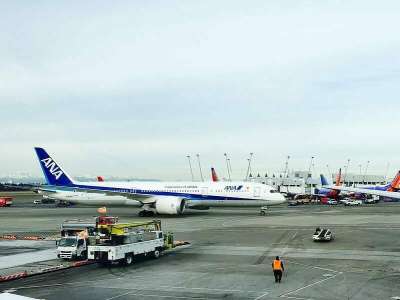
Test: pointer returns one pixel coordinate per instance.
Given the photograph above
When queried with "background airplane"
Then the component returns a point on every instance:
(214, 176)
(389, 190)
(328, 193)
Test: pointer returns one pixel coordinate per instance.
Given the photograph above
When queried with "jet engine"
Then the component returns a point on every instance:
(170, 205)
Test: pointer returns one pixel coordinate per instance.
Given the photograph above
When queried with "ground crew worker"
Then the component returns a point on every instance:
(277, 267)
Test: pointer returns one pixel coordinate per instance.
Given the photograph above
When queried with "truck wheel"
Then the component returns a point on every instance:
(128, 259)
(83, 255)
(156, 253)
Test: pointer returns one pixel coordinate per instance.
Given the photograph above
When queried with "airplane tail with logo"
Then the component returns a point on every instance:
(53, 173)
(214, 175)
(395, 184)
(339, 177)
(323, 180)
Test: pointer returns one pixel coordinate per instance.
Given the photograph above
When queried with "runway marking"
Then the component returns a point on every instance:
(157, 296)
(82, 284)
(309, 285)
(313, 267)
(76, 283)
(172, 287)
(118, 296)
(262, 296)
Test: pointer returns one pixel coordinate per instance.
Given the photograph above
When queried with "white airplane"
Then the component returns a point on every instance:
(163, 197)
(390, 190)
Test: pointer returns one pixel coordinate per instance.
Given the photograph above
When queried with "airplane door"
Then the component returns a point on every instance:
(257, 191)
(204, 191)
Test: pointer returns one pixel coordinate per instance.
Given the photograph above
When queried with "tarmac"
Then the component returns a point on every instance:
(229, 258)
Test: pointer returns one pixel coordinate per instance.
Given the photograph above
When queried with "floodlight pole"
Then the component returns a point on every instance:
(201, 173)
(190, 166)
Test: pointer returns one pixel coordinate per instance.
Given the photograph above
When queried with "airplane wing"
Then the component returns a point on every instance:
(141, 197)
(394, 195)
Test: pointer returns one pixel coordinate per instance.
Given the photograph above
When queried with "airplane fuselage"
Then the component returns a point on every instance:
(210, 194)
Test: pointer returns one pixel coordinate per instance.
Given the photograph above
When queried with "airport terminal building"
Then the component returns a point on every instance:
(306, 179)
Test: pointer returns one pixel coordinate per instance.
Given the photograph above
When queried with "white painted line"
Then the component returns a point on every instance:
(157, 296)
(309, 285)
(262, 296)
(119, 296)
(313, 267)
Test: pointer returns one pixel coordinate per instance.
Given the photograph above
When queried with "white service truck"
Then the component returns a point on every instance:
(126, 253)
(74, 239)
(122, 242)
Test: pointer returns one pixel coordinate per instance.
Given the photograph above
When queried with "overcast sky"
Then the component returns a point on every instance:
(130, 88)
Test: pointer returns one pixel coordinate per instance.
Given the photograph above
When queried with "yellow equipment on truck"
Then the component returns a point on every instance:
(121, 242)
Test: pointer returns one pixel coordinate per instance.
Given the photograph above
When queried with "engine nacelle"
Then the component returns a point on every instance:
(170, 205)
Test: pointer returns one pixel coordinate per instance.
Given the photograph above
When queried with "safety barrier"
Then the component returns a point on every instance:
(51, 269)
(35, 238)
(13, 276)
(9, 237)
(15, 237)
(81, 263)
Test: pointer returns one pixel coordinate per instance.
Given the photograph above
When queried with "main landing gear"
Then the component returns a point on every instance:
(146, 213)
(263, 210)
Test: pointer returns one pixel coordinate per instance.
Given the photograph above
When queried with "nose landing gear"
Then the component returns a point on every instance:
(263, 210)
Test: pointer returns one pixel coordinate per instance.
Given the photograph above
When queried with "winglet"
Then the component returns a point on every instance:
(53, 173)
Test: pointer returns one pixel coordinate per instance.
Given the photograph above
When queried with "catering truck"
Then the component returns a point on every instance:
(122, 242)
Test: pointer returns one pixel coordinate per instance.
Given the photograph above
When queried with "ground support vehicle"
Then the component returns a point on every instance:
(351, 202)
(74, 238)
(323, 234)
(5, 201)
(122, 242)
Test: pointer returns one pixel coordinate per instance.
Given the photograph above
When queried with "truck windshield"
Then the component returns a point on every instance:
(67, 243)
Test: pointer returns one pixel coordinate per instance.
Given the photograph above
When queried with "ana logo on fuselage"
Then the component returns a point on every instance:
(233, 187)
(52, 167)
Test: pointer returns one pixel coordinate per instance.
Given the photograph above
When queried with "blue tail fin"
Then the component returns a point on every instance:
(323, 180)
(52, 171)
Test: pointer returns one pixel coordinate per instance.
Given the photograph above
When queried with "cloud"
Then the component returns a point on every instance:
(132, 88)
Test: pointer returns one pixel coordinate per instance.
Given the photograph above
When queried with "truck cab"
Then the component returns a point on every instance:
(72, 247)
(74, 238)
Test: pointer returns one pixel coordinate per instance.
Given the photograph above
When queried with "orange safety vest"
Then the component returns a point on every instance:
(277, 265)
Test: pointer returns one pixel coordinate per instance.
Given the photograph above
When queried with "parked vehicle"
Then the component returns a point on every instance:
(5, 201)
(372, 200)
(353, 203)
(332, 202)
